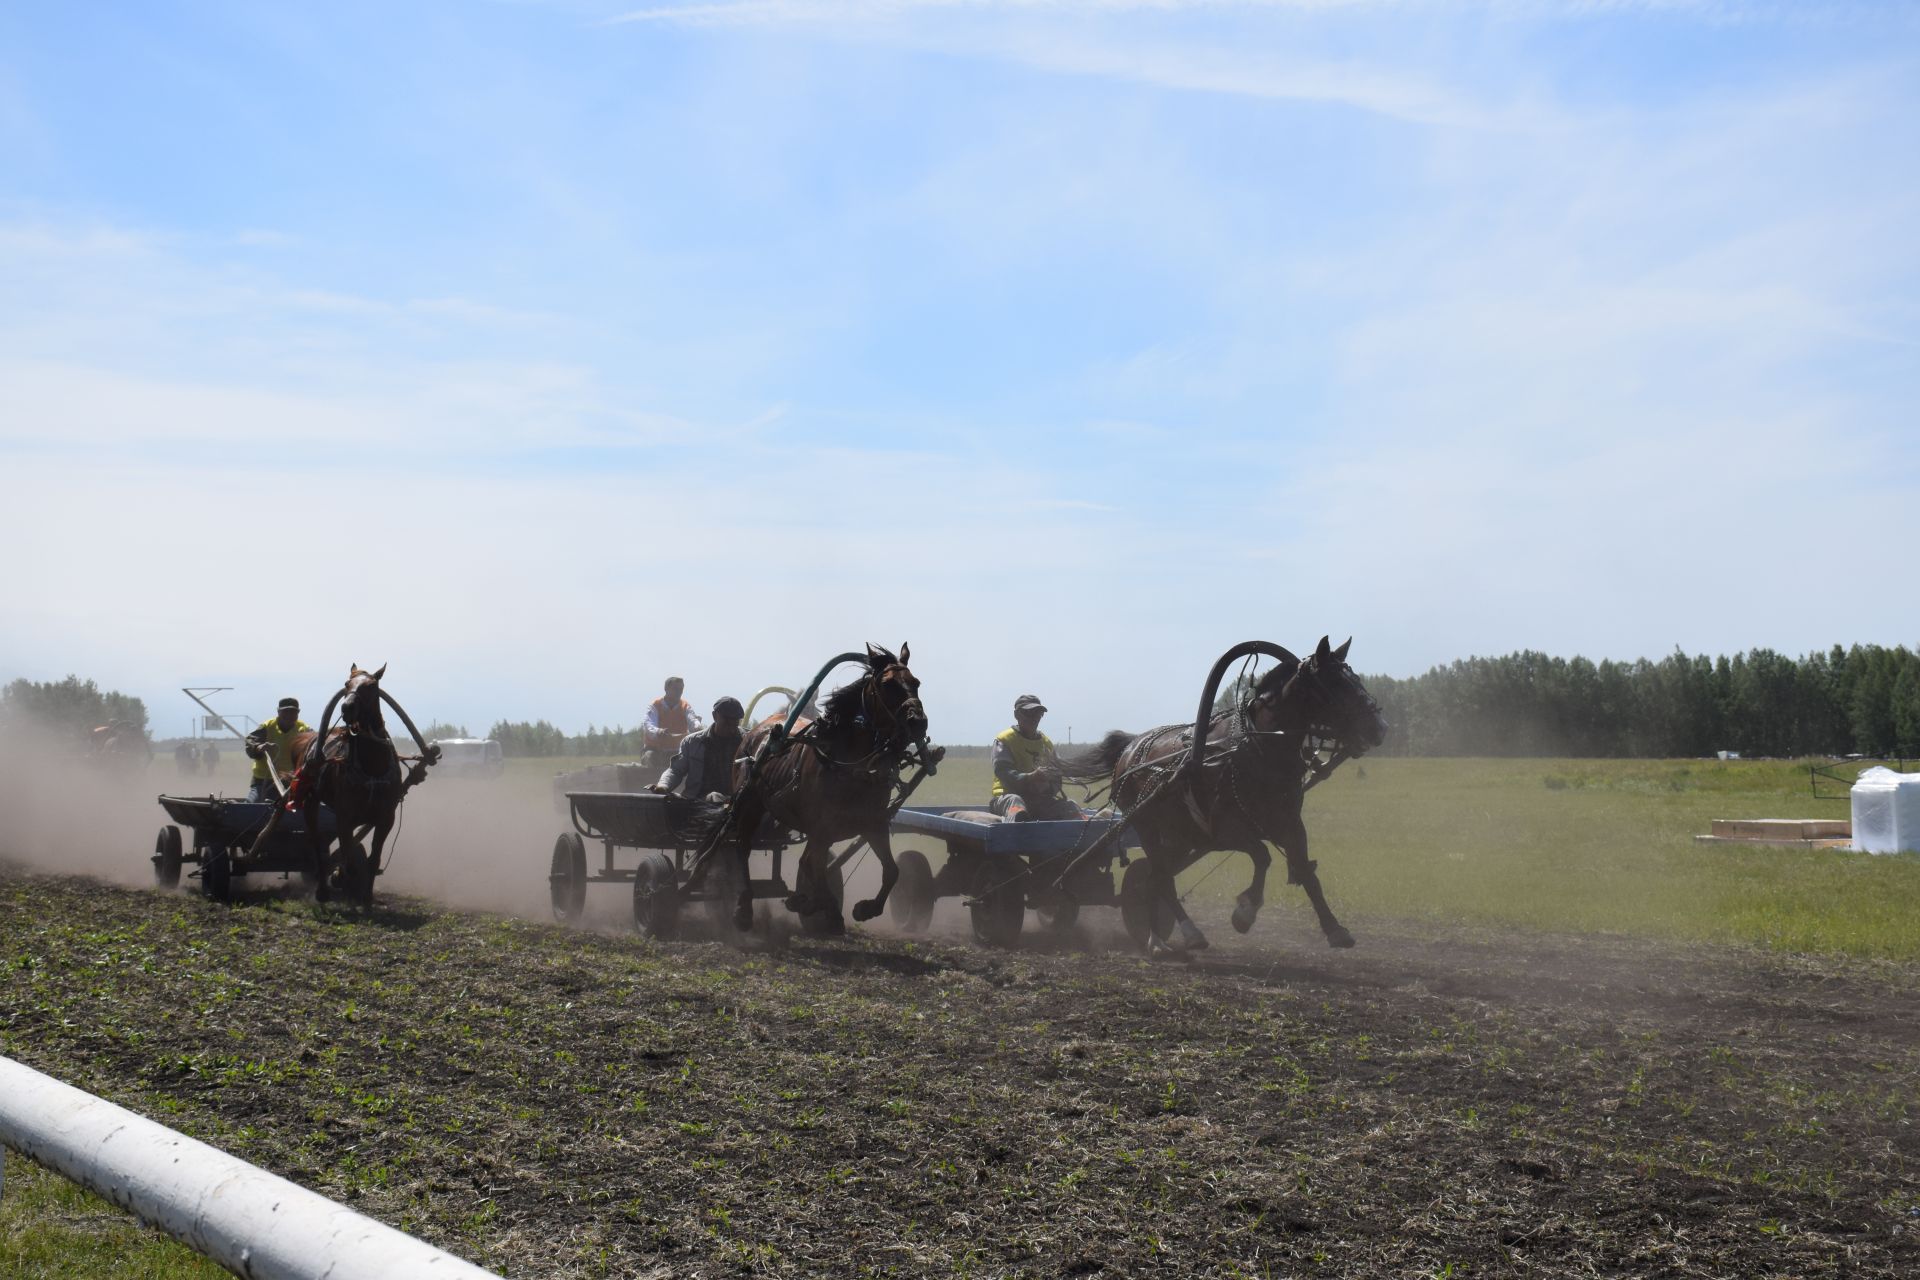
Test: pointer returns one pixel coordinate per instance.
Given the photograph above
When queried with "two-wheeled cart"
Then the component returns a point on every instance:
(1002, 868)
(223, 832)
(667, 832)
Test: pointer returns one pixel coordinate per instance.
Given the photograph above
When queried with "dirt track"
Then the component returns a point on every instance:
(575, 1104)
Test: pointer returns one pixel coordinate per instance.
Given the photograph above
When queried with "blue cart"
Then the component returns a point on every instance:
(1001, 868)
(224, 830)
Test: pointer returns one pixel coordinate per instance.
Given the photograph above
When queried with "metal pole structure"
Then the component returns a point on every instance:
(246, 1219)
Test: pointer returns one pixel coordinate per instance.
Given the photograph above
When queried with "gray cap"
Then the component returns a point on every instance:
(1028, 702)
(728, 707)
(288, 702)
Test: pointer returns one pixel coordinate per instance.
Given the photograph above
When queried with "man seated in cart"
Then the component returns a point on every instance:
(270, 748)
(1026, 772)
(703, 766)
(670, 718)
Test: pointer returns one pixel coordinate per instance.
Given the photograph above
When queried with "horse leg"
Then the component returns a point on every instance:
(878, 841)
(1303, 871)
(1246, 908)
(310, 814)
(745, 818)
(811, 893)
(1190, 938)
(1165, 863)
(381, 829)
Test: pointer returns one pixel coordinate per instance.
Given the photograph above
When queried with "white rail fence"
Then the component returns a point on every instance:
(255, 1224)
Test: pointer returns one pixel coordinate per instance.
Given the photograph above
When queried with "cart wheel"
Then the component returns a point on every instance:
(656, 896)
(567, 881)
(722, 890)
(1060, 912)
(216, 874)
(821, 924)
(1143, 908)
(166, 857)
(911, 904)
(356, 874)
(1000, 912)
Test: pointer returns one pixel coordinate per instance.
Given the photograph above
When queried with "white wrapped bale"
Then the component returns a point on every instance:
(1886, 811)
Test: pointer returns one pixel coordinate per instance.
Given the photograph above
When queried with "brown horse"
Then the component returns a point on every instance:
(355, 771)
(1248, 790)
(831, 780)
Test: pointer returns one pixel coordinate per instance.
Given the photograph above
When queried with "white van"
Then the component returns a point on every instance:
(469, 758)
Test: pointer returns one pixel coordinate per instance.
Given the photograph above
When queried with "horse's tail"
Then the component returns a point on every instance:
(1098, 760)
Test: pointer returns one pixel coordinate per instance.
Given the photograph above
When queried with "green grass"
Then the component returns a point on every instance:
(51, 1229)
(1602, 846)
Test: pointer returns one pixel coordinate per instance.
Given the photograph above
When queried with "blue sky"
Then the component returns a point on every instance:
(539, 349)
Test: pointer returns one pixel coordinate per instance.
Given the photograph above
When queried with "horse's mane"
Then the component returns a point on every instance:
(1274, 679)
(843, 704)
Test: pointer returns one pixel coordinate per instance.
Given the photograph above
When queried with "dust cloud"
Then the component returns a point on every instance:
(468, 844)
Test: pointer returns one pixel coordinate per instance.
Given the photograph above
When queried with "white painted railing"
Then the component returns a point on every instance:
(246, 1219)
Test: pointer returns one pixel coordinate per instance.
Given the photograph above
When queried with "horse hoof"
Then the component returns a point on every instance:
(797, 903)
(743, 918)
(1243, 918)
(864, 911)
(1339, 938)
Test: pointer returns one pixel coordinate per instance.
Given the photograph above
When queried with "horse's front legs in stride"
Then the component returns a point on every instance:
(1246, 908)
(1303, 871)
(883, 850)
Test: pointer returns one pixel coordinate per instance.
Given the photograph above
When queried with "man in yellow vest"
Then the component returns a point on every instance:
(1026, 773)
(670, 718)
(270, 748)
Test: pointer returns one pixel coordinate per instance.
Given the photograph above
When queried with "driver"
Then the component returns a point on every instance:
(703, 767)
(1026, 772)
(271, 750)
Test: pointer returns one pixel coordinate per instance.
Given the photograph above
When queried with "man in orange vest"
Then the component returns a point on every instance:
(670, 718)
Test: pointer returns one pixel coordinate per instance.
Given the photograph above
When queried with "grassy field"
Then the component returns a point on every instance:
(1566, 1022)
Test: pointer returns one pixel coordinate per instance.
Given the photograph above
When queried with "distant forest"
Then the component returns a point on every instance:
(1864, 700)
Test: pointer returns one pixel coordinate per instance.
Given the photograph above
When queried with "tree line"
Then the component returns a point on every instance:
(1864, 700)
(520, 738)
(70, 708)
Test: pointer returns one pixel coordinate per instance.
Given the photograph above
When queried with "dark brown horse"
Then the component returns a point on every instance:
(832, 779)
(1247, 790)
(355, 771)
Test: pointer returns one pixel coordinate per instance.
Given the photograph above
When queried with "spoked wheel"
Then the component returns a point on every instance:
(825, 923)
(1000, 912)
(722, 887)
(216, 874)
(567, 881)
(1143, 904)
(355, 874)
(656, 896)
(166, 857)
(911, 903)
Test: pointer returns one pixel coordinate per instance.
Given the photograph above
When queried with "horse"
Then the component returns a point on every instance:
(1246, 792)
(354, 769)
(831, 779)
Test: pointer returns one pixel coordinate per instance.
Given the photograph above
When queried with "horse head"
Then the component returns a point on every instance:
(896, 692)
(360, 702)
(1325, 694)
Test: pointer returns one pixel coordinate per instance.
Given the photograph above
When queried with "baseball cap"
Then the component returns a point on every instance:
(288, 702)
(729, 707)
(1028, 702)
